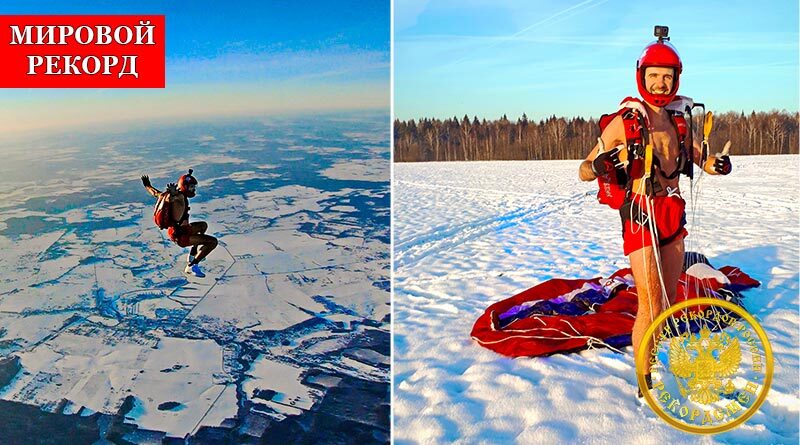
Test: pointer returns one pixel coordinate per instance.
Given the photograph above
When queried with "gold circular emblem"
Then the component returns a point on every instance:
(709, 381)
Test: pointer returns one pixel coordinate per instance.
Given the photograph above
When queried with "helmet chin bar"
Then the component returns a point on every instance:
(659, 100)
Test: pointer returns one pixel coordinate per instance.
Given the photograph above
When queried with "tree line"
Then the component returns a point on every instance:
(757, 133)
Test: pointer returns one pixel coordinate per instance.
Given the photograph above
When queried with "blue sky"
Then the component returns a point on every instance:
(234, 57)
(577, 58)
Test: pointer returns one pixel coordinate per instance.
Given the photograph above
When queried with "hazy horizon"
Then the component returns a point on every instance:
(257, 57)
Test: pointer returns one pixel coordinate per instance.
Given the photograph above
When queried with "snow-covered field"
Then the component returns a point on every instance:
(99, 322)
(469, 234)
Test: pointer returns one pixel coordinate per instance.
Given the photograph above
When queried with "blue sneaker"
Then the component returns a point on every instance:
(194, 270)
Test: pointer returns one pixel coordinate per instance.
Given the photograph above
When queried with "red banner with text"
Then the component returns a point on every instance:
(82, 51)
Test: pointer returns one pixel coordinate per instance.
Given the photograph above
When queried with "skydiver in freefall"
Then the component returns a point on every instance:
(174, 216)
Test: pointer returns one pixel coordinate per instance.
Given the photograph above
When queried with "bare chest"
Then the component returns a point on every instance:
(664, 141)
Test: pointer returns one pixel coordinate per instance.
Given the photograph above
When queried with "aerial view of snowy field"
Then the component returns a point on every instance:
(103, 337)
(469, 234)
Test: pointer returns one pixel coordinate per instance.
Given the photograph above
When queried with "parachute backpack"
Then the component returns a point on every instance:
(162, 213)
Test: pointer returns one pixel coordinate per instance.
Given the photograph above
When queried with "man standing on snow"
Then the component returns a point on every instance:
(640, 175)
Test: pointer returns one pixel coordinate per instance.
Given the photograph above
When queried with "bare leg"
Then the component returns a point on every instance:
(648, 290)
(198, 227)
(205, 244)
(672, 266)
(648, 286)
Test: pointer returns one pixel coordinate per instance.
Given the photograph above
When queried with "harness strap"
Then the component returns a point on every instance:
(635, 124)
(685, 156)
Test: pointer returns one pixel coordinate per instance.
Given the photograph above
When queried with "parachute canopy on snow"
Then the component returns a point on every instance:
(561, 315)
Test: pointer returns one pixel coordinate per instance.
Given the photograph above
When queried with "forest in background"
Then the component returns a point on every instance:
(757, 133)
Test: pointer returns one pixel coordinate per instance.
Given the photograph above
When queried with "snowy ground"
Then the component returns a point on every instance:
(469, 234)
(98, 316)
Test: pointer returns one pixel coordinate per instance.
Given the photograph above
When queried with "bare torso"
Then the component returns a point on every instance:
(662, 136)
(664, 140)
(178, 206)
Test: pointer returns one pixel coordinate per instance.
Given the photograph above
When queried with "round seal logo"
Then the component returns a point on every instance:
(711, 365)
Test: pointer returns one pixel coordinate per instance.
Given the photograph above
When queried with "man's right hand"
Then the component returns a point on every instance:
(606, 162)
(146, 181)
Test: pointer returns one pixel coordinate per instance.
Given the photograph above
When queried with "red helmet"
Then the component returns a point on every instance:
(662, 54)
(187, 184)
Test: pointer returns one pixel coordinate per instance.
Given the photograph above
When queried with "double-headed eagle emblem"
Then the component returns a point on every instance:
(717, 357)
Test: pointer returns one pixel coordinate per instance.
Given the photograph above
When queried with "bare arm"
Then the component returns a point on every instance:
(585, 171)
(149, 187)
(697, 149)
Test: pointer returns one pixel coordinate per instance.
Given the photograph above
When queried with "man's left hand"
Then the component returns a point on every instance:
(722, 165)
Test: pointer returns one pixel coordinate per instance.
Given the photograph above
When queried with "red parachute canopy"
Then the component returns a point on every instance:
(567, 315)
